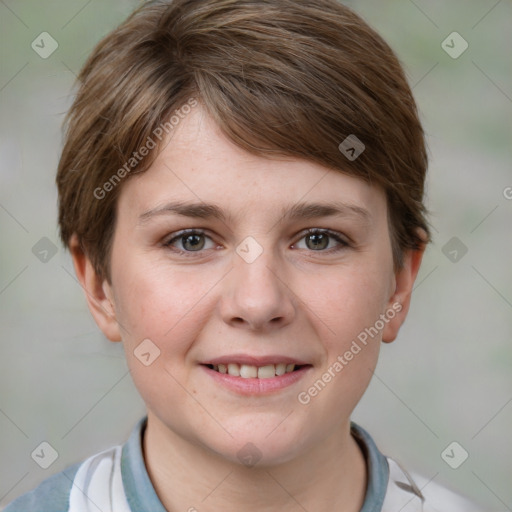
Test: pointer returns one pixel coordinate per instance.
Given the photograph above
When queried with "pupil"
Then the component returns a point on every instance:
(319, 241)
(194, 242)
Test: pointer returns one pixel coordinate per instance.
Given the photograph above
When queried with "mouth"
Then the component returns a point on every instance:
(256, 375)
(248, 371)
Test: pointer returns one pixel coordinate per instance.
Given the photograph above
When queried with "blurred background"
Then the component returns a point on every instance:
(446, 379)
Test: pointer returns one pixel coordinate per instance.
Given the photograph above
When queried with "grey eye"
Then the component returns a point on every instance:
(193, 242)
(317, 241)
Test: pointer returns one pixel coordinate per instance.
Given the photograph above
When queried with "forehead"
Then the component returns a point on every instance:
(199, 164)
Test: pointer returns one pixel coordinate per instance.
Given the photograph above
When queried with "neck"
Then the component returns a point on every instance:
(189, 477)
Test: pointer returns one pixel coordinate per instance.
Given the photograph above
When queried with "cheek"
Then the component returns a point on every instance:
(350, 302)
(348, 309)
(159, 304)
(164, 307)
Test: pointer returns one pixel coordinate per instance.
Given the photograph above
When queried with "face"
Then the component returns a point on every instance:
(224, 261)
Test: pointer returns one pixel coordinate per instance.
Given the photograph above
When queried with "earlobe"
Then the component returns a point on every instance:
(98, 292)
(400, 300)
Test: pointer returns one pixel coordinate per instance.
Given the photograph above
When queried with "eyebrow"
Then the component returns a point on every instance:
(296, 212)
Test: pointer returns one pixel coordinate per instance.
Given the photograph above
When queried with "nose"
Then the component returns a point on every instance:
(257, 296)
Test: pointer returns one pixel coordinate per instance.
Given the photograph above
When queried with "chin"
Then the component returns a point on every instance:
(259, 447)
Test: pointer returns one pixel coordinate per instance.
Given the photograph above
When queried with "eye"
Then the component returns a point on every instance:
(191, 240)
(320, 240)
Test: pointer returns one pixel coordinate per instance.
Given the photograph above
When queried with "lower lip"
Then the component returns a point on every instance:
(253, 386)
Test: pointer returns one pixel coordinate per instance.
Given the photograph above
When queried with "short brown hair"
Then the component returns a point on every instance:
(279, 77)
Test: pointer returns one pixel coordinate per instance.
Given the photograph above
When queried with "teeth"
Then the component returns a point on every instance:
(247, 371)
(280, 369)
(234, 369)
(266, 372)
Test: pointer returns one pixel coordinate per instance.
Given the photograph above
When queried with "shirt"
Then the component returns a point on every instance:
(116, 480)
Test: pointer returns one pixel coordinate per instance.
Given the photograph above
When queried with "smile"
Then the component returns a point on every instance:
(250, 380)
(247, 371)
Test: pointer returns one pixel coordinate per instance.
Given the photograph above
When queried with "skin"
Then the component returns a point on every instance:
(293, 299)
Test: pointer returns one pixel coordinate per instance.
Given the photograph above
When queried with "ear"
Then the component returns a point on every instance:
(401, 298)
(98, 292)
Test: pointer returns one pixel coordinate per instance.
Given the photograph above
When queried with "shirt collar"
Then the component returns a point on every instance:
(377, 469)
(141, 494)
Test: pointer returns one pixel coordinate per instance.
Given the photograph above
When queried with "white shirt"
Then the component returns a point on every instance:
(116, 480)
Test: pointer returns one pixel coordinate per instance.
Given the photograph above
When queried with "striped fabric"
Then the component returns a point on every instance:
(116, 480)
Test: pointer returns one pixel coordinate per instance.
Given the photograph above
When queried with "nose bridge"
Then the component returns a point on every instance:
(258, 295)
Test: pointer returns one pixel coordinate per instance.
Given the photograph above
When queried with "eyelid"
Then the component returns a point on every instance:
(175, 236)
(331, 232)
(342, 240)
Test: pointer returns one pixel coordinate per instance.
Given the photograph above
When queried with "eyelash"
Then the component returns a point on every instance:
(312, 231)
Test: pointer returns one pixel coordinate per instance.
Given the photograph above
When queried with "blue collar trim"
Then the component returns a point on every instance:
(141, 494)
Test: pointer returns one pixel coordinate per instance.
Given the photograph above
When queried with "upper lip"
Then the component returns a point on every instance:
(255, 360)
